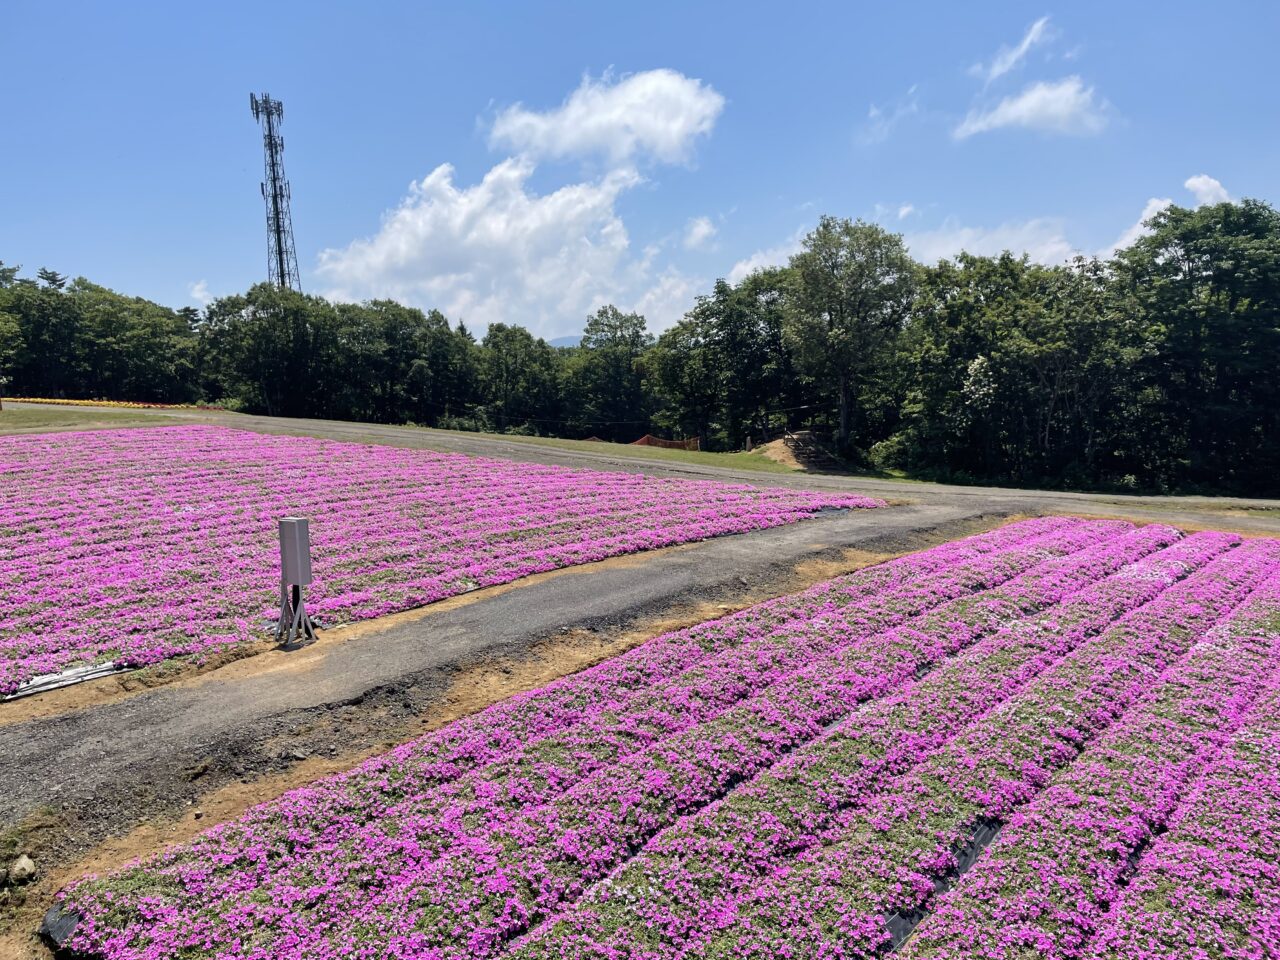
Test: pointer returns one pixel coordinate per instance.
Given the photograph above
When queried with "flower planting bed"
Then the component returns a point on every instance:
(1208, 882)
(1046, 885)
(121, 404)
(1054, 739)
(137, 545)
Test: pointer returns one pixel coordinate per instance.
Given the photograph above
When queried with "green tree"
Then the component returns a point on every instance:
(50, 361)
(605, 379)
(274, 351)
(11, 345)
(392, 357)
(455, 376)
(1205, 286)
(769, 381)
(682, 373)
(1013, 371)
(51, 278)
(10, 348)
(132, 349)
(854, 285)
(519, 378)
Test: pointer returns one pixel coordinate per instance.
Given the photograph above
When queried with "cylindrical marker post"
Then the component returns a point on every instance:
(295, 573)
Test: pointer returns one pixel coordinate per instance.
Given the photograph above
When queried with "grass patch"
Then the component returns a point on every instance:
(734, 461)
(60, 418)
(28, 836)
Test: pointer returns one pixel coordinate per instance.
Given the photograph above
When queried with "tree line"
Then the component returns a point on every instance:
(1154, 369)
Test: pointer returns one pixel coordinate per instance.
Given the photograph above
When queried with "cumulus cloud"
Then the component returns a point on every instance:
(698, 232)
(901, 211)
(199, 292)
(1139, 228)
(667, 300)
(1202, 186)
(496, 251)
(1043, 239)
(1206, 189)
(657, 113)
(1066, 106)
(1008, 58)
(776, 256)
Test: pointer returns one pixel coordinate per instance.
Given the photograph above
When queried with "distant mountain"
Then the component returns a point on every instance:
(566, 341)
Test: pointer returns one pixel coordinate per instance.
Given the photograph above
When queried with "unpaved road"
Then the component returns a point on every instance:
(89, 767)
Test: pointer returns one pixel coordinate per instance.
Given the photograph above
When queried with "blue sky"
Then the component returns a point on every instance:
(526, 162)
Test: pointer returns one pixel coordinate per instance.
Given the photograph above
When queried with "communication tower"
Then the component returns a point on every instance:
(282, 262)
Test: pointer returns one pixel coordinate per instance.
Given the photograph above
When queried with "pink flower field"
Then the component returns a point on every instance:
(137, 545)
(1056, 739)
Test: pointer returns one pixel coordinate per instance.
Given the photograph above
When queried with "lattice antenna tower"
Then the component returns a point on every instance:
(282, 262)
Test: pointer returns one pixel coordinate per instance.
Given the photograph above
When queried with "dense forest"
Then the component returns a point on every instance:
(1156, 369)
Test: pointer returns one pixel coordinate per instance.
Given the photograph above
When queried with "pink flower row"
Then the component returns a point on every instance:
(1045, 885)
(687, 886)
(847, 898)
(797, 780)
(1210, 886)
(319, 868)
(137, 545)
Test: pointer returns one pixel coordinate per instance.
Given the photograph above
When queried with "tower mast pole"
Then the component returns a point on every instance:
(282, 261)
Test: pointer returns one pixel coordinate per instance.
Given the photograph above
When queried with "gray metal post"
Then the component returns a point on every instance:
(295, 573)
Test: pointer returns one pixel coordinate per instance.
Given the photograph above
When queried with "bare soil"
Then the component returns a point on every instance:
(779, 452)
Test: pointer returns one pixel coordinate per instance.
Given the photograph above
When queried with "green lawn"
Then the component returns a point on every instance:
(73, 418)
(736, 461)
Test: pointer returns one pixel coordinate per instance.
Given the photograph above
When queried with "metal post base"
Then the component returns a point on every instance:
(295, 627)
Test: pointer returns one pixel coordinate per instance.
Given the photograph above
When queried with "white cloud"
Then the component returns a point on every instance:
(659, 113)
(1139, 228)
(668, 299)
(199, 292)
(1008, 58)
(881, 121)
(1207, 190)
(498, 251)
(698, 232)
(1043, 239)
(881, 211)
(1066, 106)
(772, 257)
(495, 251)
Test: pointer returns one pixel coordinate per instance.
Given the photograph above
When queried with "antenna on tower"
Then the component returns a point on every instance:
(282, 262)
